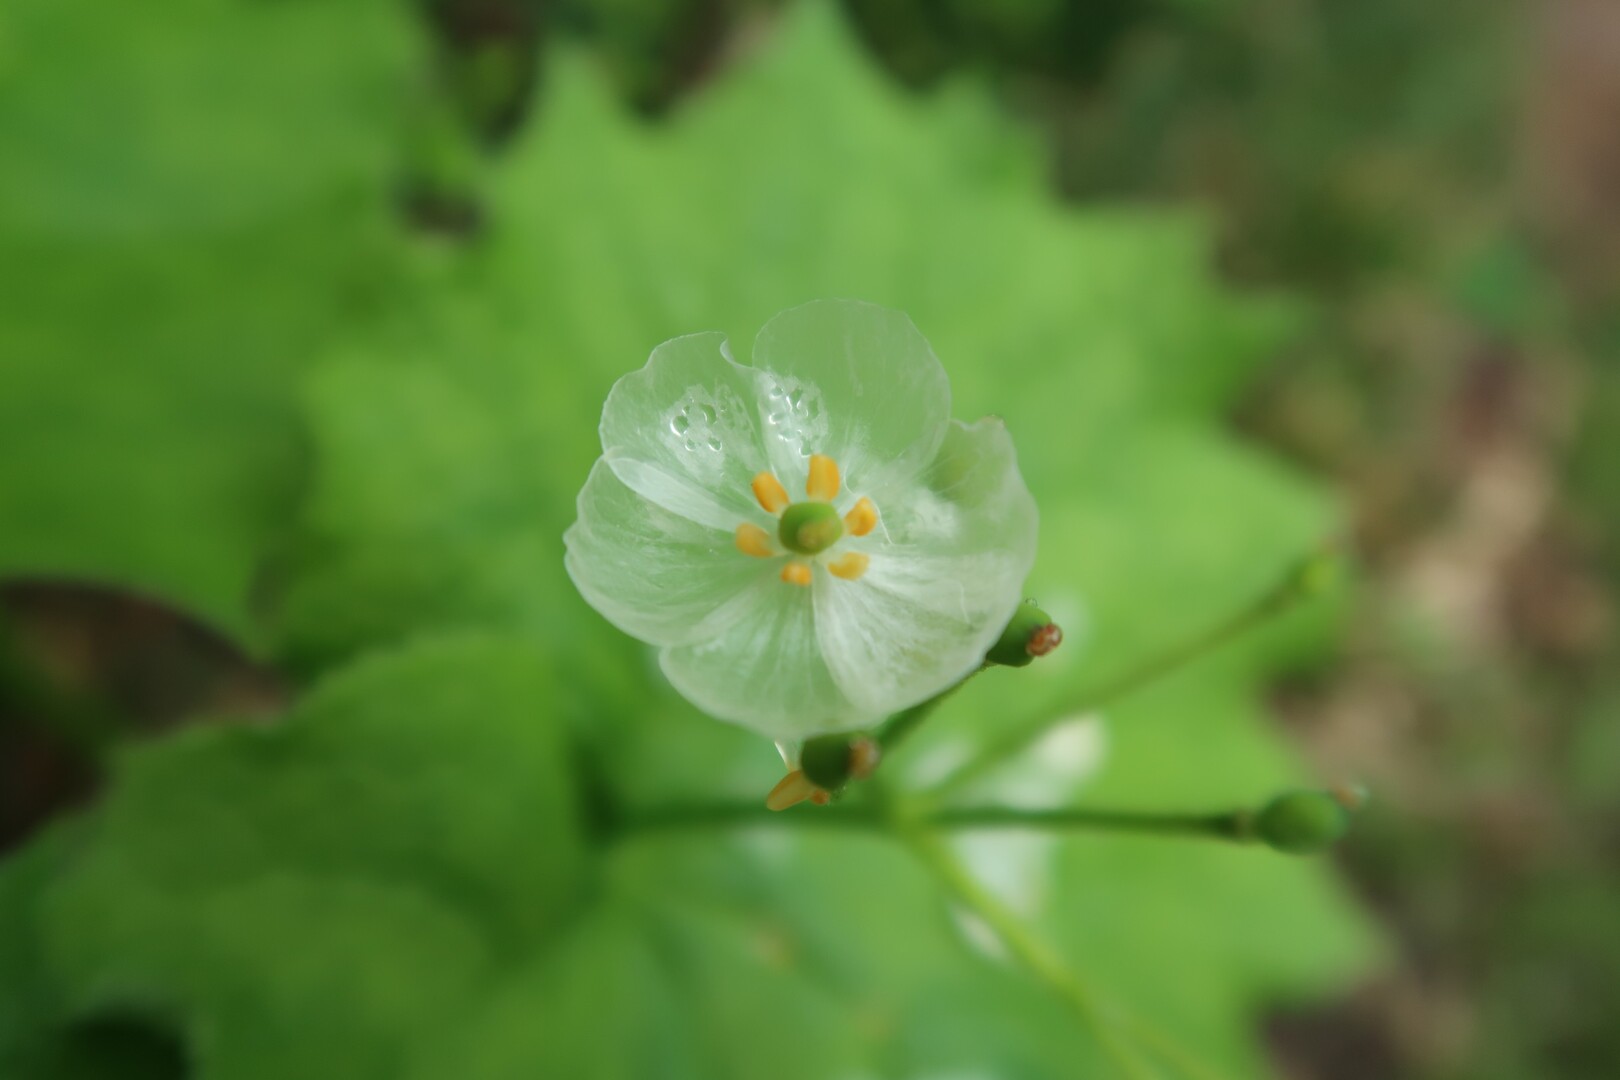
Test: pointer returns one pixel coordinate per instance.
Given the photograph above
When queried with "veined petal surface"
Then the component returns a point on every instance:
(853, 380)
(654, 574)
(764, 669)
(684, 431)
(914, 603)
(947, 567)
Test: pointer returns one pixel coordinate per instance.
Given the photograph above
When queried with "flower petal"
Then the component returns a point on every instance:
(684, 432)
(971, 499)
(655, 574)
(854, 381)
(677, 494)
(947, 570)
(765, 670)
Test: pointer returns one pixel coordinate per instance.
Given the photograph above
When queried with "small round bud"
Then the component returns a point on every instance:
(810, 528)
(828, 760)
(1029, 633)
(831, 761)
(1302, 822)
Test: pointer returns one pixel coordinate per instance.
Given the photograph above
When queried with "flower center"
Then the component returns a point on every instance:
(809, 528)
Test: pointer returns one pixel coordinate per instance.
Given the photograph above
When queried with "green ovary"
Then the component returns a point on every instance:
(810, 528)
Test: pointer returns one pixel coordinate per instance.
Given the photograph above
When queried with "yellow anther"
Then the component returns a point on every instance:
(862, 518)
(796, 573)
(823, 482)
(755, 541)
(849, 566)
(770, 493)
(791, 790)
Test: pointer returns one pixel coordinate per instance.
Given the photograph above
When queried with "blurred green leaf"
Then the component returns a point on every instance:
(193, 114)
(301, 898)
(395, 880)
(452, 436)
(27, 1009)
(191, 195)
(399, 880)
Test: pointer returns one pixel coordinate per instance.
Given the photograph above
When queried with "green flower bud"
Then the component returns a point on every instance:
(831, 761)
(1304, 822)
(1029, 633)
(810, 528)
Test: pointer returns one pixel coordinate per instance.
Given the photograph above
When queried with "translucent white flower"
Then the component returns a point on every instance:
(812, 541)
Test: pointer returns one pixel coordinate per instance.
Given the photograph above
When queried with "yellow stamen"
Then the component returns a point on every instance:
(849, 565)
(862, 518)
(823, 482)
(755, 541)
(791, 790)
(796, 573)
(770, 493)
(820, 797)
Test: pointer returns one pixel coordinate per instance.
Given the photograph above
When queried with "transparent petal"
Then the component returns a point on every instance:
(765, 670)
(947, 569)
(681, 497)
(854, 381)
(654, 574)
(683, 431)
(970, 499)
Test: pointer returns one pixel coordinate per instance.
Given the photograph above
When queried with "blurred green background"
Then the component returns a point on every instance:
(313, 764)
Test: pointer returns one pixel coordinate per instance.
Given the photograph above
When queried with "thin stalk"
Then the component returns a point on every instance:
(903, 723)
(1303, 580)
(1228, 825)
(682, 817)
(1231, 825)
(920, 832)
(1179, 1057)
(1029, 950)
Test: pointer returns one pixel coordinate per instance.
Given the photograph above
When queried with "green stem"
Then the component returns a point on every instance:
(918, 831)
(1169, 1050)
(1230, 825)
(680, 817)
(1025, 947)
(901, 724)
(1302, 580)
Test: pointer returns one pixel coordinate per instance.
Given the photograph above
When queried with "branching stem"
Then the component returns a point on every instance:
(1026, 948)
(903, 723)
(1302, 580)
(1229, 825)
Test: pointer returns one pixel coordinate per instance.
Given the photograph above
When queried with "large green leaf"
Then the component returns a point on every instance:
(191, 193)
(403, 874)
(452, 436)
(454, 432)
(398, 879)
